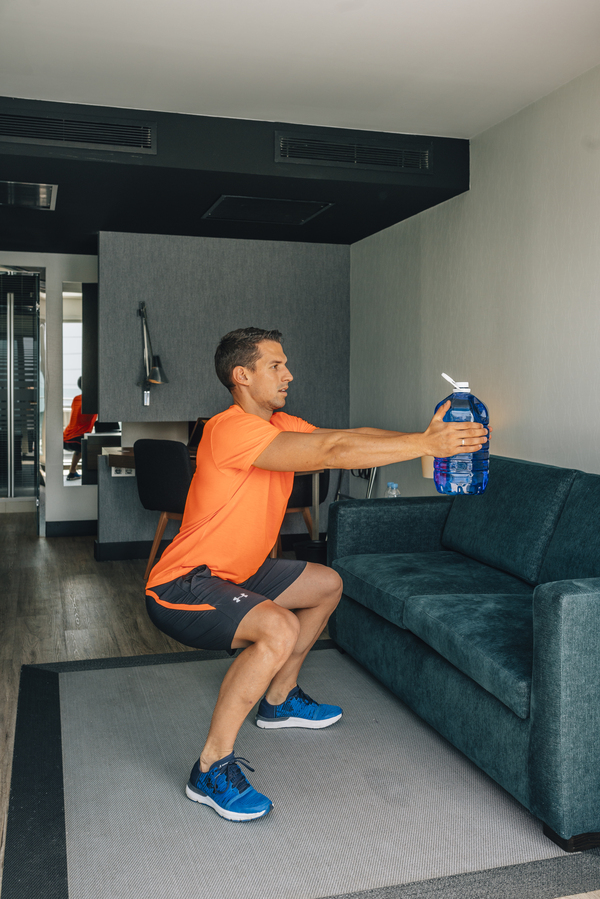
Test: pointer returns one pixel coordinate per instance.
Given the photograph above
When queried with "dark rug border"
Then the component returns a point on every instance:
(35, 861)
(35, 858)
(197, 655)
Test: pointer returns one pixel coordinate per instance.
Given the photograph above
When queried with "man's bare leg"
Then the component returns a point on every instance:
(278, 636)
(312, 597)
(270, 634)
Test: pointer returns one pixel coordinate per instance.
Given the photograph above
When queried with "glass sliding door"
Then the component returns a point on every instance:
(19, 384)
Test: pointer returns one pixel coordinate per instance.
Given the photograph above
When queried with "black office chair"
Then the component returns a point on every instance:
(164, 473)
(301, 500)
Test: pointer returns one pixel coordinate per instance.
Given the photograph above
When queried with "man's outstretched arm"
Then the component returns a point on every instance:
(368, 447)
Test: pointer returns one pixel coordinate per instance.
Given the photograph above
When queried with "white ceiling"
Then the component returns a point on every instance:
(441, 67)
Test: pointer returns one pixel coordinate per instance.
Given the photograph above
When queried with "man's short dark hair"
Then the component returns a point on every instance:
(241, 347)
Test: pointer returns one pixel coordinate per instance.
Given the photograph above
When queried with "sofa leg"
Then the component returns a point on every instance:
(577, 843)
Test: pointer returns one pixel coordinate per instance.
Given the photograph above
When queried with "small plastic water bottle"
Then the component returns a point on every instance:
(467, 472)
(391, 490)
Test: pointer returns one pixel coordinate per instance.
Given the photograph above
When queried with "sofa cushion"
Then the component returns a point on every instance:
(574, 548)
(488, 638)
(511, 524)
(383, 581)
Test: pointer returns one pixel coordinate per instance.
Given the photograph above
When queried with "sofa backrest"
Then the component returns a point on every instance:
(574, 550)
(510, 525)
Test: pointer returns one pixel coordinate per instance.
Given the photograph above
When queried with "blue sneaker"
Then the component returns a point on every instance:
(224, 787)
(298, 710)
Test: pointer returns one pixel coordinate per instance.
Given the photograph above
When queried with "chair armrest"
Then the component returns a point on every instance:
(565, 706)
(404, 524)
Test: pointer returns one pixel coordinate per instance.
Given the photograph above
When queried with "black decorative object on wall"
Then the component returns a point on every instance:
(153, 371)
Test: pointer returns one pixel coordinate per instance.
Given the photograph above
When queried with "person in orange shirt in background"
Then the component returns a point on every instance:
(214, 586)
(79, 424)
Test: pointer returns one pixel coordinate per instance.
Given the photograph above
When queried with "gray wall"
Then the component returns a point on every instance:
(498, 286)
(196, 290)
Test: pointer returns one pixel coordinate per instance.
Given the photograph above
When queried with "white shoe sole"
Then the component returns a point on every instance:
(223, 812)
(276, 723)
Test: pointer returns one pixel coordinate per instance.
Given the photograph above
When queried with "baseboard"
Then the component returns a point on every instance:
(87, 528)
(131, 549)
(140, 549)
(288, 540)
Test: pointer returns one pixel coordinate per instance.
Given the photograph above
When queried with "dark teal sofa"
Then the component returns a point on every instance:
(482, 614)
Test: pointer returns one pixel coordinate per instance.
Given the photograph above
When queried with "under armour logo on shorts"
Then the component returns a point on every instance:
(240, 597)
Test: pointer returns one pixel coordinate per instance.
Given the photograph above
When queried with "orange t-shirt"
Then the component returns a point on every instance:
(79, 424)
(233, 511)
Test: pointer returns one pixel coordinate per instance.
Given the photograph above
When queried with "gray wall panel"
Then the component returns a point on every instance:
(121, 516)
(197, 289)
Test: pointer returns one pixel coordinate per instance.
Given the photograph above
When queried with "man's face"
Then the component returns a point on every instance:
(269, 381)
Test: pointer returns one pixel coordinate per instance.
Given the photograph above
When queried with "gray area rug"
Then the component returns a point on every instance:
(378, 804)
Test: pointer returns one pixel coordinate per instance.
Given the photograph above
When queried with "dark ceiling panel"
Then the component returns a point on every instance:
(198, 160)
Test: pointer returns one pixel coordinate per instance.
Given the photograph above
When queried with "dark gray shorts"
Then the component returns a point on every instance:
(205, 611)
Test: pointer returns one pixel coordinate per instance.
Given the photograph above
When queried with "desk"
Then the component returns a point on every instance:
(123, 457)
(120, 457)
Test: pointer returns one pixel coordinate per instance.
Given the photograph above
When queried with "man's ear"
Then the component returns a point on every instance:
(239, 377)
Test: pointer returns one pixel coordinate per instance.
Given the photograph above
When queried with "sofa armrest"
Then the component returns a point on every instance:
(565, 706)
(404, 524)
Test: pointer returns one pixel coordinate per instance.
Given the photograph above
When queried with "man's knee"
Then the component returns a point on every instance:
(282, 631)
(331, 585)
(276, 629)
(337, 583)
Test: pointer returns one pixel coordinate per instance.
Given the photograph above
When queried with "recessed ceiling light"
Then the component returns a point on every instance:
(262, 210)
(28, 195)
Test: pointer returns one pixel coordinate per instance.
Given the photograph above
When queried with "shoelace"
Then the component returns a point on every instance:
(301, 697)
(234, 775)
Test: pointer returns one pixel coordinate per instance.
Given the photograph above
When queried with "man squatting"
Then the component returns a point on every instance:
(215, 587)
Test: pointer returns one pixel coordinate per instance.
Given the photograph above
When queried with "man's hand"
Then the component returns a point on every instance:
(448, 438)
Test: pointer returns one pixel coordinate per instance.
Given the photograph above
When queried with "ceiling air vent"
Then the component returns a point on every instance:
(264, 211)
(29, 196)
(109, 134)
(360, 154)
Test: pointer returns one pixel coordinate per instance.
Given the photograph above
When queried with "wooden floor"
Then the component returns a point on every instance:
(58, 604)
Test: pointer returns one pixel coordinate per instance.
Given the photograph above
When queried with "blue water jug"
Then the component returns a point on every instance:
(467, 472)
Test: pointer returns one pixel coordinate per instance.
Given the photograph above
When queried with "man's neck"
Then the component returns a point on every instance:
(246, 404)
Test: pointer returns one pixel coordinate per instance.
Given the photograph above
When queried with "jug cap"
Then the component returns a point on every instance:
(459, 386)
